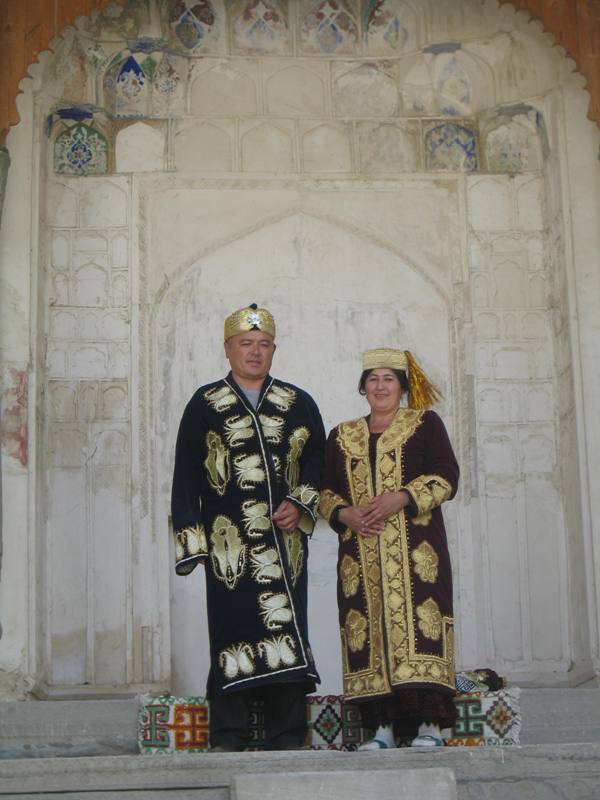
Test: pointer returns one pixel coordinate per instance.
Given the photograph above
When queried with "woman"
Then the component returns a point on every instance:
(386, 477)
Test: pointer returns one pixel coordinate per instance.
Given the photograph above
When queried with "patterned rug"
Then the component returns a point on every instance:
(486, 718)
(180, 724)
(332, 723)
(168, 724)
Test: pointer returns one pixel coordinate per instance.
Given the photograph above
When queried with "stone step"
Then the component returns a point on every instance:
(109, 727)
(536, 772)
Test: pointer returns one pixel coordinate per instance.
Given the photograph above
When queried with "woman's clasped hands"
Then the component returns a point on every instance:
(370, 520)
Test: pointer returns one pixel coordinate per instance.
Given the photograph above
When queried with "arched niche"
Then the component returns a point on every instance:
(325, 318)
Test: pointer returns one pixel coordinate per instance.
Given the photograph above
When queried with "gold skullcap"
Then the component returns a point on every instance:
(248, 319)
(384, 357)
(422, 393)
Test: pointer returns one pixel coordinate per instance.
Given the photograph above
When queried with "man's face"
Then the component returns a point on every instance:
(250, 355)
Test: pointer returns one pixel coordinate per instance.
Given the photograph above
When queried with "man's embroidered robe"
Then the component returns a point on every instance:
(233, 466)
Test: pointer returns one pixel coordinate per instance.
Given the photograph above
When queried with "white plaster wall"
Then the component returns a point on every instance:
(298, 182)
(580, 185)
(17, 595)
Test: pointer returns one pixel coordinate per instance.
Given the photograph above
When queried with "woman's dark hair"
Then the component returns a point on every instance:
(399, 373)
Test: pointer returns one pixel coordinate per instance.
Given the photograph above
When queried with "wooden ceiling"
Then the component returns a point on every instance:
(27, 27)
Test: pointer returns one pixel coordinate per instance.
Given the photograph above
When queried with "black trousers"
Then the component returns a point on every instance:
(284, 714)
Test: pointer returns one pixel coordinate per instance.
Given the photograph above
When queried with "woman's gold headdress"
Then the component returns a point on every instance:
(422, 393)
(249, 319)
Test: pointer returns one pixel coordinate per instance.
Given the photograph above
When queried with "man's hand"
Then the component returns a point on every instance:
(286, 516)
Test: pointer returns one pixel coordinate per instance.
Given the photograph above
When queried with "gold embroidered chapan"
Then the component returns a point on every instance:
(394, 590)
(234, 465)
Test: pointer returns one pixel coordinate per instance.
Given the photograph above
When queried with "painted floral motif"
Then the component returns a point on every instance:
(166, 79)
(451, 147)
(131, 79)
(430, 619)
(388, 23)
(192, 22)
(127, 86)
(514, 142)
(329, 28)
(80, 150)
(454, 89)
(261, 26)
(356, 630)
(167, 89)
(426, 562)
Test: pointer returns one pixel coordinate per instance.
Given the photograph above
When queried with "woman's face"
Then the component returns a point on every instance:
(383, 390)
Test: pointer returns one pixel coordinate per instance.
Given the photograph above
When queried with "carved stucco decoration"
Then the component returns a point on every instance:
(25, 31)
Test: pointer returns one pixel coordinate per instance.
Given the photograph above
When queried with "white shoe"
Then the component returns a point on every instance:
(427, 740)
(374, 744)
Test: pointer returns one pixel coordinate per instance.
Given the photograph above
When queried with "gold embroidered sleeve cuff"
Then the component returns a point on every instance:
(306, 498)
(428, 492)
(329, 502)
(190, 548)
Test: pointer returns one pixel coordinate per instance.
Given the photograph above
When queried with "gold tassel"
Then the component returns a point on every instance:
(422, 393)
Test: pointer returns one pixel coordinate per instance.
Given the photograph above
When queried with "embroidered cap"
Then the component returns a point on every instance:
(250, 318)
(385, 357)
(422, 393)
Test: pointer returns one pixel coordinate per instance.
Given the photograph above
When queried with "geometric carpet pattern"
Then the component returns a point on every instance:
(168, 724)
(486, 718)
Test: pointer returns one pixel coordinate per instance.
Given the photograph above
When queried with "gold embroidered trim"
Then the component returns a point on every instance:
(349, 575)
(430, 619)
(356, 630)
(272, 428)
(297, 441)
(248, 470)
(353, 436)
(237, 659)
(221, 398)
(294, 546)
(228, 552)
(238, 430)
(426, 562)
(282, 397)
(275, 609)
(399, 663)
(265, 564)
(276, 463)
(216, 462)
(255, 517)
(189, 542)
(428, 492)
(328, 501)
(278, 651)
(308, 497)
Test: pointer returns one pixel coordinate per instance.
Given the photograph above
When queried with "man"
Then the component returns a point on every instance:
(245, 491)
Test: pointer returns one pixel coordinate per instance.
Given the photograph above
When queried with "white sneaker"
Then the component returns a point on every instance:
(374, 744)
(427, 740)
